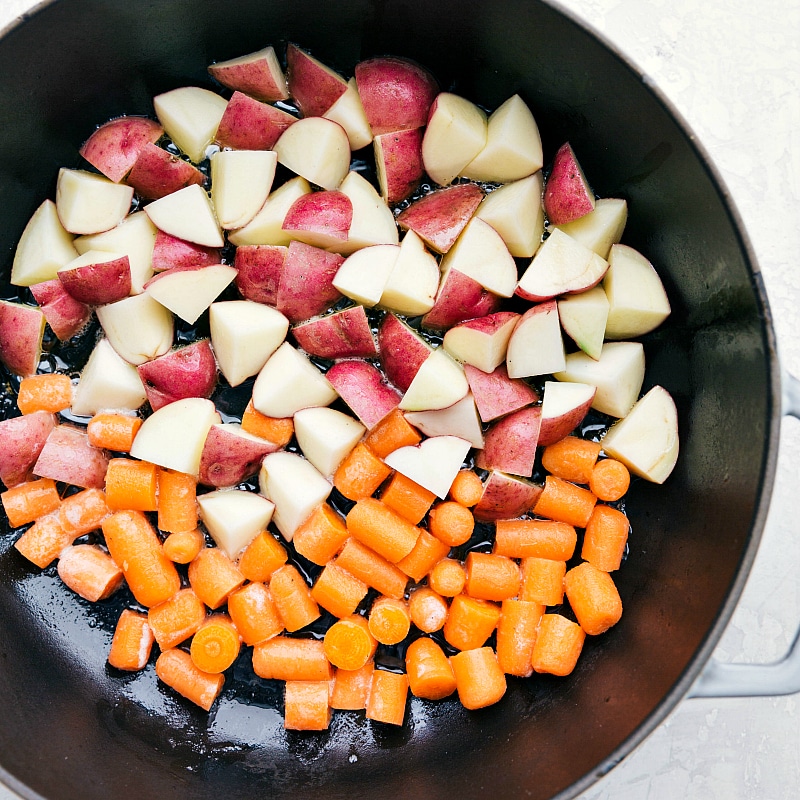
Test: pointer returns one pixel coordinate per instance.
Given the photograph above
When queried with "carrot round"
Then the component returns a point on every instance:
(593, 597)
(428, 610)
(182, 546)
(605, 538)
(320, 537)
(176, 669)
(338, 591)
(430, 673)
(610, 479)
(535, 538)
(52, 392)
(278, 430)
(479, 680)
(516, 635)
(254, 614)
(467, 488)
(213, 576)
(571, 459)
(89, 571)
(177, 501)
(563, 501)
(262, 557)
(176, 619)
(348, 643)
(131, 484)
(558, 645)
(113, 431)
(542, 580)
(29, 501)
(132, 642)
(447, 578)
(374, 570)
(470, 622)
(491, 577)
(410, 500)
(387, 697)
(392, 432)
(287, 659)
(351, 688)
(427, 552)
(451, 523)
(360, 473)
(389, 620)
(292, 597)
(216, 644)
(381, 529)
(306, 706)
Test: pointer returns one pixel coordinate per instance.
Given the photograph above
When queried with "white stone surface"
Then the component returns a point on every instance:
(732, 69)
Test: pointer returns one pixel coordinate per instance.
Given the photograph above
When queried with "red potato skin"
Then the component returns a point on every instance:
(249, 124)
(68, 457)
(554, 429)
(510, 443)
(402, 351)
(460, 298)
(114, 147)
(314, 89)
(98, 284)
(364, 389)
(496, 394)
(64, 314)
(345, 334)
(158, 173)
(170, 251)
(260, 267)
(21, 331)
(189, 371)
(505, 497)
(399, 158)
(253, 78)
(21, 442)
(567, 196)
(325, 213)
(228, 458)
(305, 288)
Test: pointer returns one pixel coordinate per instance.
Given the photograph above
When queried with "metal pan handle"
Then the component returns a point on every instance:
(757, 680)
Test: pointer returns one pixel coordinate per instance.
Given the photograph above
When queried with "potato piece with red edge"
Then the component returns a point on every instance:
(459, 298)
(402, 351)
(258, 271)
(249, 124)
(321, 219)
(505, 497)
(305, 286)
(373, 221)
(510, 443)
(364, 389)
(21, 442)
(348, 111)
(481, 342)
(313, 86)
(190, 116)
(170, 251)
(231, 455)
(567, 195)
(343, 334)
(398, 157)
(258, 74)
(189, 371)
(68, 457)
(564, 407)
(96, 278)
(536, 345)
(316, 149)
(113, 147)
(21, 332)
(496, 394)
(157, 173)
(64, 314)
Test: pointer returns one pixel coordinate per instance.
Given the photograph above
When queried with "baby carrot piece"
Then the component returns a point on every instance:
(351, 687)
(182, 546)
(470, 622)
(292, 597)
(407, 498)
(491, 577)
(594, 598)
(427, 552)
(176, 669)
(287, 659)
(216, 644)
(609, 480)
(563, 501)
(428, 610)
(51, 393)
(110, 431)
(132, 642)
(136, 548)
(516, 635)
(374, 570)
(131, 484)
(338, 591)
(392, 432)
(389, 620)
(83, 511)
(558, 645)
(29, 501)
(534, 538)
(479, 680)
(447, 578)
(348, 644)
(451, 523)
(278, 430)
(176, 619)
(254, 614)
(177, 501)
(262, 557)
(467, 488)
(387, 697)
(542, 580)
(571, 459)
(44, 540)
(605, 538)
(430, 673)
(89, 571)
(321, 536)
(213, 576)
(306, 706)
(381, 529)
(360, 473)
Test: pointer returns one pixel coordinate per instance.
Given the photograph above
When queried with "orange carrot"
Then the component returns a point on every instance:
(262, 557)
(132, 642)
(427, 552)
(389, 620)
(571, 459)
(467, 488)
(392, 432)
(44, 540)
(176, 619)
(534, 538)
(516, 635)
(292, 597)
(278, 430)
(83, 512)
(216, 644)
(565, 502)
(176, 669)
(428, 610)
(348, 644)
(177, 501)
(381, 529)
(374, 570)
(286, 659)
(360, 473)
(447, 578)
(479, 680)
(451, 523)
(605, 538)
(338, 591)
(113, 431)
(29, 501)
(558, 645)
(135, 546)
(430, 673)
(131, 484)
(51, 393)
(351, 688)
(407, 498)
(491, 577)
(609, 480)
(387, 697)
(321, 536)
(182, 546)
(593, 597)
(89, 571)
(306, 706)
(214, 576)
(254, 614)
(543, 580)
(470, 622)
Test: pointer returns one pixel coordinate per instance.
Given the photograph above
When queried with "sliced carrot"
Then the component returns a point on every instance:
(427, 552)
(491, 577)
(593, 597)
(428, 610)
(470, 622)
(407, 498)
(132, 642)
(558, 645)
(254, 614)
(44, 540)
(177, 618)
(348, 643)
(387, 697)
(447, 577)
(182, 546)
(610, 479)
(306, 706)
(542, 580)
(262, 557)
(479, 680)
(113, 431)
(287, 659)
(321, 536)
(516, 635)
(177, 501)
(605, 538)
(392, 432)
(51, 393)
(360, 473)
(338, 590)
(83, 512)
(389, 620)
(176, 669)
(374, 570)
(351, 688)
(451, 523)
(571, 459)
(535, 538)
(216, 644)
(29, 501)
(381, 529)
(430, 673)
(135, 546)
(278, 430)
(563, 501)
(467, 488)
(214, 576)
(131, 484)
(89, 571)
(292, 597)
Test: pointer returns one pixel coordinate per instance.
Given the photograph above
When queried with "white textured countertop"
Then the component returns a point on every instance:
(732, 69)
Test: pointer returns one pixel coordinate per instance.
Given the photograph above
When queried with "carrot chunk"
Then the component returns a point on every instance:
(447, 578)
(44, 540)
(535, 538)
(348, 643)
(479, 680)
(216, 644)
(338, 591)
(470, 622)
(594, 598)
(83, 512)
(491, 577)
(292, 597)
(428, 610)
(430, 673)
(427, 552)
(387, 697)
(177, 618)
(278, 430)
(389, 620)
(543, 580)
(254, 614)
(563, 501)
(112, 431)
(392, 432)
(516, 635)
(451, 523)
(605, 538)
(571, 459)
(351, 688)
(467, 488)
(214, 576)
(306, 706)
(177, 501)
(288, 659)
(89, 571)
(381, 529)
(321, 536)
(176, 669)
(374, 570)
(610, 479)
(29, 501)
(558, 645)
(51, 393)
(407, 498)
(262, 557)
(131, 484)
(360, 473)
(182, 546)
(132, 642)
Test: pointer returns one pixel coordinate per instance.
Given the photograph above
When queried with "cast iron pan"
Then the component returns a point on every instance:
(71, 730)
